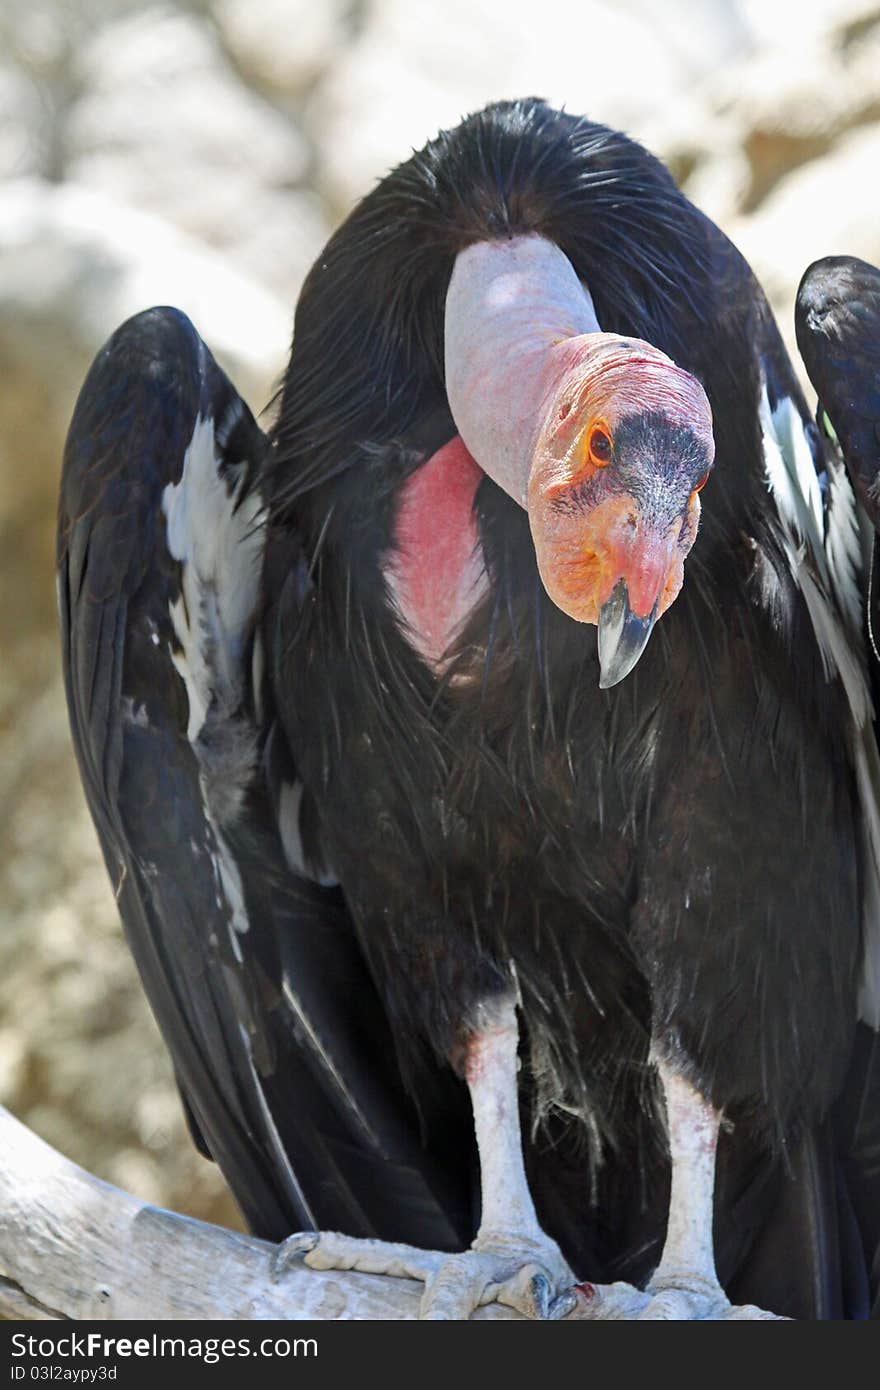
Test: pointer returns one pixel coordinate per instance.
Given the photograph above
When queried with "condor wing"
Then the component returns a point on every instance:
(245, 948)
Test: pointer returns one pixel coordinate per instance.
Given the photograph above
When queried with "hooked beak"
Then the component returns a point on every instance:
(622, 636)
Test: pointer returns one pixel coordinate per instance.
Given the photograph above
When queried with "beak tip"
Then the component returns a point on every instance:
(623, 636)
(610, 673)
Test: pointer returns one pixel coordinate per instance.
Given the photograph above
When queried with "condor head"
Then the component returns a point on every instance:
(602, 438)
(613, 491)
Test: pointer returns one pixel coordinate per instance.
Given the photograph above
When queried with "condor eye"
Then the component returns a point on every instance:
(701, 482)
(600, 446)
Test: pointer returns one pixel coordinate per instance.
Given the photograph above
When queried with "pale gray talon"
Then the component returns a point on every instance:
(748, 1311)
(563, 1305)
(336, 1251)
(541, 1296)
(291, 1249)
(672, 1305)
(529, 1275)
(687, 1301)
(505, 1274)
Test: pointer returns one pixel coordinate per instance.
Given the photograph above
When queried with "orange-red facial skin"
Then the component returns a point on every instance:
(590, 531)
(581, 556)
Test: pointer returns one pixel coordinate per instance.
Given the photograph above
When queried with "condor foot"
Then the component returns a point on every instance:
(525, 1273)
(684, 1299)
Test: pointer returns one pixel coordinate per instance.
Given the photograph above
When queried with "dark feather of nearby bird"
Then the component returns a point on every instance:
(837, 321)
(396, 729)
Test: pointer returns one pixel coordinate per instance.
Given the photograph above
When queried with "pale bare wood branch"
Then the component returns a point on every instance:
(73, 1246)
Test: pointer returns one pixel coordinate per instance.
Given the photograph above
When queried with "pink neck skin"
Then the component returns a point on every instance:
(512, 309)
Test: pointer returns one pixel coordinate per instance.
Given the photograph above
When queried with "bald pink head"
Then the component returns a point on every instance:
(625, 446)
(629, 376)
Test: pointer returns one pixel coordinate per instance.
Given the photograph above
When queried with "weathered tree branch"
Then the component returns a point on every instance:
(72, 1246)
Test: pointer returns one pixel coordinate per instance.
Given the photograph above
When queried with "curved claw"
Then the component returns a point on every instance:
(563, 1305)
(290, 1250)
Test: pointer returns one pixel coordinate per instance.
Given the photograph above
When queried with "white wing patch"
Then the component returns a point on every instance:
(826, 567)
(220, 549)
(825, 551)
(218, 538)
(790, 468)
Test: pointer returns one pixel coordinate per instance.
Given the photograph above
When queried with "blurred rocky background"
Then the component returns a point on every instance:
(199, 153)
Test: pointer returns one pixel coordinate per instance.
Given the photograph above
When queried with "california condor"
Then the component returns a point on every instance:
(426, 732)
